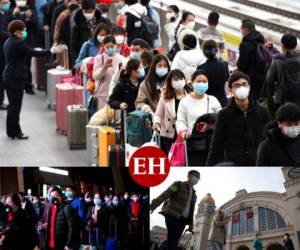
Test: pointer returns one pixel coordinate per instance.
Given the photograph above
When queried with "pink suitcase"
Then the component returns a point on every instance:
(79, 91)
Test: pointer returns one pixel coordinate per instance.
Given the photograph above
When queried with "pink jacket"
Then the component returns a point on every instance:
(165, 115)
(103, 77)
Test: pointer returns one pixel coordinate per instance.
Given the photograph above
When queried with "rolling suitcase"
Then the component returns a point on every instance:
(76, 122)
(111, 241)
(92, 145)
(54, 76)
(63, 59)
(107, 136)
(38, 72)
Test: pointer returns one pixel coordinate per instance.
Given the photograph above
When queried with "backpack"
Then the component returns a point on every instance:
(139, 129)
(175, 48)
(149, 26)
(289, 83)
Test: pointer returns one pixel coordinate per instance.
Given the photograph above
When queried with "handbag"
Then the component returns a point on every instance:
(185, 240)
(178, 153)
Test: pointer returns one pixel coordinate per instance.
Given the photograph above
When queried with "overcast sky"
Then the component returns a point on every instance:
(222, 183)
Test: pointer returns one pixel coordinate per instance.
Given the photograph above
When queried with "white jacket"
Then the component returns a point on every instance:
(170, 29)
(181, 32)
(187, 61)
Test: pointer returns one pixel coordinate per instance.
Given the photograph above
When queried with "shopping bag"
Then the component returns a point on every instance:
(185, 240)
(177, 154)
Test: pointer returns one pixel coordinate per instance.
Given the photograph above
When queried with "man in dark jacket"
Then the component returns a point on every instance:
(247, 62)
(239, 127)
(287, 242)
(62, 228)
(179, 204)
(277, 84)
(282, 147)
(86, 20)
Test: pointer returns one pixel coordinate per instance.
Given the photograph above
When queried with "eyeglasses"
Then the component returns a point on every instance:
(238, 85)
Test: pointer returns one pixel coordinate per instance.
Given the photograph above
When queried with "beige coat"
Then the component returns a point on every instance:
(144, 98)
(217, 231)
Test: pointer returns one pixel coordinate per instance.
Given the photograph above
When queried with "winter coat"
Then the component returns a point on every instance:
(218, 75)
(247, 60)
(79, 207)
(217, 231)
(170, 29)
(175, 199)
(3, 36)
(56, 13)
(66, 227)
(102, 219)
(57, 28)
(88, 49)
(103, 77)
(288, 245)
(187, 61)
(182, 31)
(83, 30)
(134, 25)
(126, 92)
(273, 151)
(237, 134)
(16, 52)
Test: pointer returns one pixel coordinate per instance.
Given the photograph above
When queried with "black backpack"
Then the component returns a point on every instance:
(289, 84)
(149, 26)
(175, 48)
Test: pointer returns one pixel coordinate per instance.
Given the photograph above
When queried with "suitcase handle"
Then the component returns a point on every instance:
(95, 150)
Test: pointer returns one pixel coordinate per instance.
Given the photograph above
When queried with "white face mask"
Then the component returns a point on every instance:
(21, 3)
(120, 39)
(242, 93)
(169, 15)
(88, 16)
(291, 132)
(100, 38)
(178, 85)
(191, 25)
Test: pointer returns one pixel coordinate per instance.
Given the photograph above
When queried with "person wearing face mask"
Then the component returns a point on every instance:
(38, 207)
(150, 88)
(165, 116)
(239, 127)
(126, 91)
(172, 21)
(18, 233)
(217, 71)
(105, 66)
(86, 20)
(94, 45)
(179, 204)
(15, 75)
(97, 222)
(189, 58)
(121, 43)
(282, 145)
(62, 227)
(185, 27)
(217, 235)
(197, 107)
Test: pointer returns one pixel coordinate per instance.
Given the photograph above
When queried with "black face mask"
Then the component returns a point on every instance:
(54, 201)
(8, 209)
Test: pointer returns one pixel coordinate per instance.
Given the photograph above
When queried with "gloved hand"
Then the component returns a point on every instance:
(57, 48)
(146, 108)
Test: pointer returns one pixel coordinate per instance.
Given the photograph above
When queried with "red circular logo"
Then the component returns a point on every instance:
(149, 166)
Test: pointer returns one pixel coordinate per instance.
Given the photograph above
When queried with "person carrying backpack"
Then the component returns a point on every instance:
(283, 78)
(250, 61)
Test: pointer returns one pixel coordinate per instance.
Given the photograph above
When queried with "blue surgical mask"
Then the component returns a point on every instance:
(111, 51)
(136, 55)
(69, 195)
(115, 203)
(106, 199)
(24, 35)
(161, 72)
(5, 7)
(141, 73)
(194, 180)
(97, 202)
(200, 87)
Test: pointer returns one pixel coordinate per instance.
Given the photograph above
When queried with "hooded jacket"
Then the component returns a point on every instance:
(83, 30)
(277, 150)
(237, 134)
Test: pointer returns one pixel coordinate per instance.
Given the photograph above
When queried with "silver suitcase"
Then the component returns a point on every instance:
(92, 145)
(55, 76)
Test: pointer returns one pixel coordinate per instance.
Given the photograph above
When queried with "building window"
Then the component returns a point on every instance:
(269, 219)
(243, 222)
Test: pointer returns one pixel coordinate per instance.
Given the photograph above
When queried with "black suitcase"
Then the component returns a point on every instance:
(117, 155)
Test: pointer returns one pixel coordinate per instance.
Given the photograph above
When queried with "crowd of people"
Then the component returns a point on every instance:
(184, 89)
(64, 221)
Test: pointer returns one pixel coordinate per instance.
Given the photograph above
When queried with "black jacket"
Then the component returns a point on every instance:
(237, 134)
(66, 227)
(273, 151)
(218, 74)
(288, 245)
(247, 60)
(16, 51)
(124, 91)
(102, 219)
(83, 30)
(3, 36)
(56, 12)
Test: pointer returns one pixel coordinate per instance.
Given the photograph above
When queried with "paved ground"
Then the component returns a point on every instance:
(45, 147)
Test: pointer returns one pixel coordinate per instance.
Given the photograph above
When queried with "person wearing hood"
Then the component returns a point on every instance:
(165, 116)
(247, 61)
(150, 89)
(86, 20)
(178, 208)
(282, 145)
(189, 58)
(185, 27)
(287, 242)
(172, 21)
(217, 71)
(239, 127)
